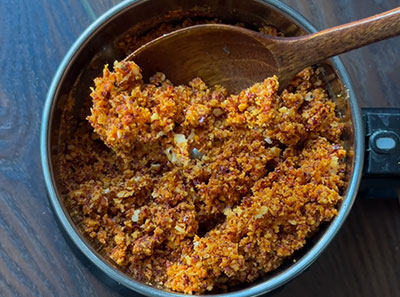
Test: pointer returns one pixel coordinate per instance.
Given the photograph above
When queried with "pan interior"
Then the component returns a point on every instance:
(108, 43)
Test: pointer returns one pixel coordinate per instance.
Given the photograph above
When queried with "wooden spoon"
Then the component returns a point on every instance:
(236, 57)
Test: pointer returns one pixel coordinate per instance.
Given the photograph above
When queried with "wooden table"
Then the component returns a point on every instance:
(35, 258)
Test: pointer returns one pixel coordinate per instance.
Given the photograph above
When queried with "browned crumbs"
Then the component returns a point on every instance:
(203, 189)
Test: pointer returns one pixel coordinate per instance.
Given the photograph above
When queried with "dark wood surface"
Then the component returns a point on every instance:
(36, 259)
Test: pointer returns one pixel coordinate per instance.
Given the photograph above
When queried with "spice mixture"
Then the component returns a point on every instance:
(198, 189)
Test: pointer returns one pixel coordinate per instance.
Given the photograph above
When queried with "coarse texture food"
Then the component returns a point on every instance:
(202, 190)
(197, 190)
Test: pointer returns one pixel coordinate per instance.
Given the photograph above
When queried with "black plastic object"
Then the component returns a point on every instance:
(381, 175)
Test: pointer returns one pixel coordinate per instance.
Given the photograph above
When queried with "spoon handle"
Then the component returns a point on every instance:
(306, 50)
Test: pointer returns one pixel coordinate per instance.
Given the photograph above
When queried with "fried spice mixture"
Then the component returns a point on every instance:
(196, 189)
(203, 189)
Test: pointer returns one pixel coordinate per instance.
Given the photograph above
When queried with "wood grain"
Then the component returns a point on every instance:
(373, 69)
(36, 259)
(252, 56)
(296, 53)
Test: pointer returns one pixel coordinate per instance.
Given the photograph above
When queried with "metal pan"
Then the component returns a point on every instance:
(98, 46)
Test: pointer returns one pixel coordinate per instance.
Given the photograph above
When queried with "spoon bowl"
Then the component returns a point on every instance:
(219, 54)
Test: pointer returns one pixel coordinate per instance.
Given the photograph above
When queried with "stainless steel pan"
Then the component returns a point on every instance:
(97, 46)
